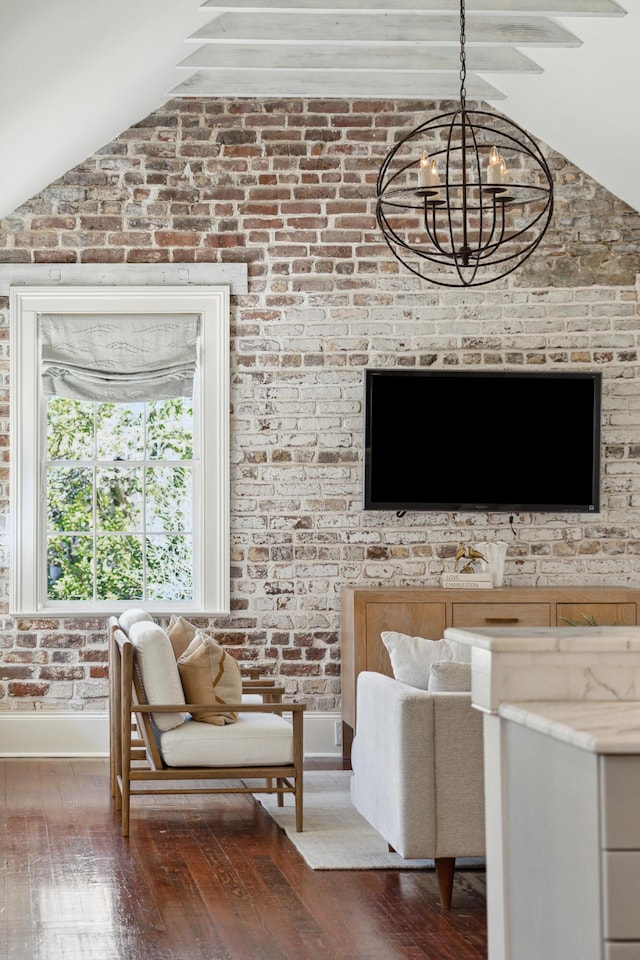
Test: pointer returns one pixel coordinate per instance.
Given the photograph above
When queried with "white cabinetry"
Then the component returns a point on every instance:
(573, 830)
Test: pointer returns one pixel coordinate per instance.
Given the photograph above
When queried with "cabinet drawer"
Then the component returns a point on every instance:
(501, 615)
(620, 882)
(620, 822)
(622, 951)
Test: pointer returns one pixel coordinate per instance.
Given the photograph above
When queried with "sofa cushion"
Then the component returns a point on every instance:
(256, 738)
(449, 676)
(158, 670)
(210, 675)
(411, 657)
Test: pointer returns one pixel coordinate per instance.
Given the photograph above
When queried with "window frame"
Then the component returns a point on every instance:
(28, 533)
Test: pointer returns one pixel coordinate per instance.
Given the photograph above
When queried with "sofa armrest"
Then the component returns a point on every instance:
(393, 762)
(415, 758)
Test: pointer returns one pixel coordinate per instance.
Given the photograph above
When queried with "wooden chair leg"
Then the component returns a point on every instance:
(445, 867)
(298, 802)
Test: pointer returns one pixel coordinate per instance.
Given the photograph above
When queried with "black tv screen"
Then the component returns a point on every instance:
(478, 440)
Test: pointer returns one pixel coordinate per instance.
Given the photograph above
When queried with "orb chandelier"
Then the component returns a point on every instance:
(466, 197)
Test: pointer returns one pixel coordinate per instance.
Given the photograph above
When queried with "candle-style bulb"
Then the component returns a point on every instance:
(424, 171)
(493, 170)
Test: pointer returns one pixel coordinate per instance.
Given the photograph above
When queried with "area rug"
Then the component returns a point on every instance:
(335, 836)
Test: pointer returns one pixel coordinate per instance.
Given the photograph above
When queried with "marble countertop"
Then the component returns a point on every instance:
(549, 639)
(598, 726)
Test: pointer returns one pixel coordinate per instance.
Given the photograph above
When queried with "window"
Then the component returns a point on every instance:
(119, 449)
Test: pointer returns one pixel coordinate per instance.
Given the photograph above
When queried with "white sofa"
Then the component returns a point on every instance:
(417, 761)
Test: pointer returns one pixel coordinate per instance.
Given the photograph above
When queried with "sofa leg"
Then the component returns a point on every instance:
(445, 867)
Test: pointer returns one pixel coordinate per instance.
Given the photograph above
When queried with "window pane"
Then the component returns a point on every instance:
(170, 429)
(119, 568)
(120, 428)
(119, 498)
(69, 429)
(69, 498)
(169, 496)
(169, 568)
(70, 568)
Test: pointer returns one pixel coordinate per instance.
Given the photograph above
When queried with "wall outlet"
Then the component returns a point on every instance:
(337, 738)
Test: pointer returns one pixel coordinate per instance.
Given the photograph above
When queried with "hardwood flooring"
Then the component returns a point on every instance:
(200, 878)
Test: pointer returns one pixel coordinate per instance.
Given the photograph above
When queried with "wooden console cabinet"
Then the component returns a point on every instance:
(418, 612)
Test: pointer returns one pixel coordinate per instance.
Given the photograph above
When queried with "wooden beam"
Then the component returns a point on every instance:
(337, 83)
(326, 56)
(234, 275)
(557, 8)
(354, 27)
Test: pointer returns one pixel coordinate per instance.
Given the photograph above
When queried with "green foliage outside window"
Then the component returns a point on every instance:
(119, 500)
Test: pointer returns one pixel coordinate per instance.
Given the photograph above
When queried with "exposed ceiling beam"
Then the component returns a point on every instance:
(263, 27)
(560, 8)
(337, 83)
(326, 56)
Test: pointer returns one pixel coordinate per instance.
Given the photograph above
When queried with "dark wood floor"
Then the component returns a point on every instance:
(200, 878)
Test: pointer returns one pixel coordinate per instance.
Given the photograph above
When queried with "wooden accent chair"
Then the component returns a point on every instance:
(261, 745)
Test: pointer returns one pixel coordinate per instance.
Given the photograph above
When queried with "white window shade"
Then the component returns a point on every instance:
(126, 359)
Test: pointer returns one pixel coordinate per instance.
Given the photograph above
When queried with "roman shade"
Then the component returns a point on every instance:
(118, 358)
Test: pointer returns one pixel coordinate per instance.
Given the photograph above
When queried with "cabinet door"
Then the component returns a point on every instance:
(597, 614)
(415, 619)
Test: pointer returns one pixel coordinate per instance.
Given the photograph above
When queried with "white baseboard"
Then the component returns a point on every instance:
(85, 734)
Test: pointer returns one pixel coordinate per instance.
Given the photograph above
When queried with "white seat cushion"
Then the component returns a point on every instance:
(256, 738)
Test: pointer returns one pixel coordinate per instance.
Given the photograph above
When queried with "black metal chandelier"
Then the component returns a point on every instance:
(466, 197)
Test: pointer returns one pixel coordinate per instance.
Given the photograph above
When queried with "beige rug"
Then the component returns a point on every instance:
(335, 836)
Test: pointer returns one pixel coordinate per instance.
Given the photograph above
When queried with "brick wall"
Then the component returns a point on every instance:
(288, 187)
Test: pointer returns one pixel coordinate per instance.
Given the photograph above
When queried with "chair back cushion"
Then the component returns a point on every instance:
(257, 738)
(158, 670)
(210, 675)
(127, 619)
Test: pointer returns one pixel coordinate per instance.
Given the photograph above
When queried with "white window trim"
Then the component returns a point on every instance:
(27, 524)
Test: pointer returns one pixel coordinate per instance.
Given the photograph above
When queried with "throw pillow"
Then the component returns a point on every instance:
(181, 633)
(447, 676)
(461, 652)
(411, 657)
(157, 664)
(210, 675)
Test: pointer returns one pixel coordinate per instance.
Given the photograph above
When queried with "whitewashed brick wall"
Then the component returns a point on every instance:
(288, 188)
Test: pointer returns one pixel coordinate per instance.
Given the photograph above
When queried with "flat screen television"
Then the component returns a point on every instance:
(482, 441)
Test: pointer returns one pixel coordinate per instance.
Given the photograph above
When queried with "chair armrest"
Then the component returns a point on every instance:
(252, 673)
(218, 707)
(267, 689)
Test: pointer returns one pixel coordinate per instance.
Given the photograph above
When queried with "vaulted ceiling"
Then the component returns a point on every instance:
(76, 73)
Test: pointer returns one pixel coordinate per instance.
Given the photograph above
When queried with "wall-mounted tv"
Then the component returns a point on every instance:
(478, 440)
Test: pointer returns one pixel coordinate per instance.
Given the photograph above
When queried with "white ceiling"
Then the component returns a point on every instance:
(76, 73)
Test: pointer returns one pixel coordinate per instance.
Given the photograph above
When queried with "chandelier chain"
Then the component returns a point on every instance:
(463, 57)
